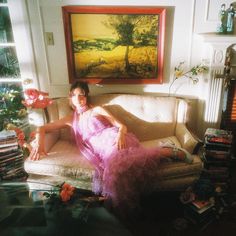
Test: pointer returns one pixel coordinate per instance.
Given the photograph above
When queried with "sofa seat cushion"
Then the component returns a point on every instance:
(64, 159)
(170, 168)
(162, 141)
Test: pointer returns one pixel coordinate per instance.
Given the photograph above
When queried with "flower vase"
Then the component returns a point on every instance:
(36, 117)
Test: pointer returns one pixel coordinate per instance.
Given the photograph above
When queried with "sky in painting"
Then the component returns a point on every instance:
(90, 26)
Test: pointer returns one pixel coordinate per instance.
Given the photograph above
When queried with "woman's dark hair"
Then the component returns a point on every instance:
(82, 85)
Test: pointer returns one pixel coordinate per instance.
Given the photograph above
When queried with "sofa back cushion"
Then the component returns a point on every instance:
(57, 110)
(148, 117)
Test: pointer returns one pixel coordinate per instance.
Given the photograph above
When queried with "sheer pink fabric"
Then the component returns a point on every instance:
(120, 174)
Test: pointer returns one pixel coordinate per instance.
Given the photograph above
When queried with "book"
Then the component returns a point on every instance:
(8, 149)
(13, 171)
(11, 159)
(7, 134)
(219, 178)
(218, 154)
(211, 161)
(14, 176)
(218, 134)
(217, 147)
(196, 219)
(222, 140)
(203, 209)
(217, 144)
(8, 141)
(200, 204)
(217, 170)
(11, 154)
(11, 165)
(200, 222)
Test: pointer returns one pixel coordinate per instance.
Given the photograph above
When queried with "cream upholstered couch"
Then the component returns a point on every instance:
(154, 120)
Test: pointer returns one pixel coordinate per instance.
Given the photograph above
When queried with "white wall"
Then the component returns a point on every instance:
(184, 21)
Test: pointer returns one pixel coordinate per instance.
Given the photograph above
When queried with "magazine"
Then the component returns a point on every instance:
(7, 134)
(202, 208)
(218, 136)
(8, 149)
(200, 204)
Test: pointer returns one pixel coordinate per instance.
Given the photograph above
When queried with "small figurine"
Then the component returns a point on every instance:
(223, 20)
(230, 19)
(226, 17)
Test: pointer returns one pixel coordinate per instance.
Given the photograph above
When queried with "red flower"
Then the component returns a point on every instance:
(36, 99)
(66, 192)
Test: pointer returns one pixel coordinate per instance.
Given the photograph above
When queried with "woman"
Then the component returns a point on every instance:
(124, 168)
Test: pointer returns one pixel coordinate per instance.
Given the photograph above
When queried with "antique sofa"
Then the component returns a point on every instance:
(155, 120)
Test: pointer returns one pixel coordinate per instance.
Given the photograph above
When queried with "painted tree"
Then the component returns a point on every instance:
(134, 30)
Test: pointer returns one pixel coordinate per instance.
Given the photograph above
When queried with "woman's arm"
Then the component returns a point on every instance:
(38, 145)
(121, 142)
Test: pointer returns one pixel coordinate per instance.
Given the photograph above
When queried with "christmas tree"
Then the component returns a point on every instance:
(12, 111)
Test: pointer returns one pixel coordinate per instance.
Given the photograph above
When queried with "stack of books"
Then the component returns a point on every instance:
(200, 213)
(217, 156)
(11, 157)
(217, 144)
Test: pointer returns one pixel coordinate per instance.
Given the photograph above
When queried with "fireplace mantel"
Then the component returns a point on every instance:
(215, 47)
(218, 38)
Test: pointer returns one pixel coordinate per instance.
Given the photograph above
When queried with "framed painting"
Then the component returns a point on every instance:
(114, 44)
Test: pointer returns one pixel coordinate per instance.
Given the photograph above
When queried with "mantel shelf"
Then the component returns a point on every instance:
(223, 76)
(213, 37)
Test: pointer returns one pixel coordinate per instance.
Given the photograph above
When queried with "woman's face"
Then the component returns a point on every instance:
(78, 98)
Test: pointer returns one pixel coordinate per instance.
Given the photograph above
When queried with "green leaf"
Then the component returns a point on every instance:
(46, 194)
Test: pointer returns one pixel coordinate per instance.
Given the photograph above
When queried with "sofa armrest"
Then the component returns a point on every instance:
(186, 138)
(50, 139)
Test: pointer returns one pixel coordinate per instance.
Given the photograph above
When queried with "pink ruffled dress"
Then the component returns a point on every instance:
(122, 174)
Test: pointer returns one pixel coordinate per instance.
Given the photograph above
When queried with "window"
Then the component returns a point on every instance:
(9, 66)
(12, 110)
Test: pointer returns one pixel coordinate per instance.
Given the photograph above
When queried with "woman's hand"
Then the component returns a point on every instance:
(37, 145)
(36, 152)
(36, 155)
(121, 141)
